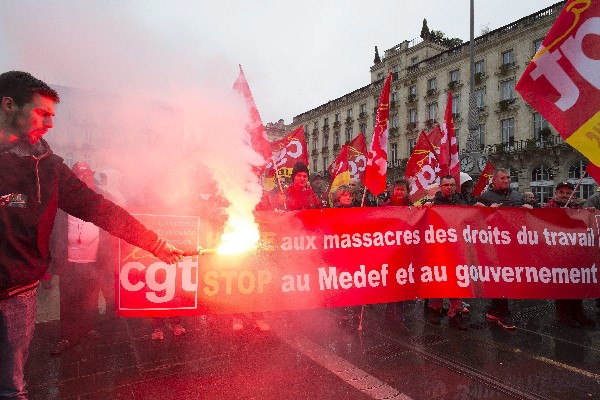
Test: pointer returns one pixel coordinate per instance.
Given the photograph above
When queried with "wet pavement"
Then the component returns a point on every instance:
(313, 355)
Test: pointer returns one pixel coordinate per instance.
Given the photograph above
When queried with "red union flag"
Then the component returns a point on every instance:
(258, 136)
(449, 163)
(376, 171)
(422, 168)
(562, 81)
(286, 152)
(484, 179)
(341, 173)
(593, 171)
(357, 158)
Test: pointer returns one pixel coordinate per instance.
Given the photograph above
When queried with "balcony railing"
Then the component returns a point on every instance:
(525, 145)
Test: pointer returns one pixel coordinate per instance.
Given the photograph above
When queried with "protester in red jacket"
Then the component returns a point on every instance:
(299, 195)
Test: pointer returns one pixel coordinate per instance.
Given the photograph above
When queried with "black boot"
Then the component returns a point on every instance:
(458, 322)
(434, 315)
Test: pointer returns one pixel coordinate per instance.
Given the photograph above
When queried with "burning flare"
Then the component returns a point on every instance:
(241, 234)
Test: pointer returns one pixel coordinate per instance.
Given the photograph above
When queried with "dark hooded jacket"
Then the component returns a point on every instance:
(506, 197)
(454, 200)
(34, 183)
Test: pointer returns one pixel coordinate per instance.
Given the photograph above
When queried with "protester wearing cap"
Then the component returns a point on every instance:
(569, 312)
(562, 194)
(299, 195)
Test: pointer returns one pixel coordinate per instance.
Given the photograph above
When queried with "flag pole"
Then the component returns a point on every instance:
(575, 190)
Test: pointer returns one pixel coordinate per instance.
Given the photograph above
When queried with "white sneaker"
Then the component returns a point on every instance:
(158, 334)
(178, 330)
(262, 325)
(238, 325)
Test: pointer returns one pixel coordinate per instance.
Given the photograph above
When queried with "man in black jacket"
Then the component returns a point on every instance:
(447, 196)
(499, 194)
(34, 183)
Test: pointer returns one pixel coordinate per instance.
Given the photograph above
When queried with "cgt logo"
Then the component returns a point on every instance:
(159, 278)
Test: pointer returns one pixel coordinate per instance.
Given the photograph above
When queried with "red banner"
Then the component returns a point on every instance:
(336, 257)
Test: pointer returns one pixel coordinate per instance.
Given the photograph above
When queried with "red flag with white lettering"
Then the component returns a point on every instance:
(484, 179)
(562, 81)
(357, 158)
(258, 136)
(422, 168)
(449, 163)
(376, 171)
(286, 152)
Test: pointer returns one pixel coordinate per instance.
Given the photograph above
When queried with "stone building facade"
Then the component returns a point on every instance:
(511, 134)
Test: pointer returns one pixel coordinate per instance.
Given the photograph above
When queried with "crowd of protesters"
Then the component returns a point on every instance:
(499, 194)
(34, 178)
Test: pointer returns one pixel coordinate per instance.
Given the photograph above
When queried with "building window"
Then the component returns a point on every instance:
(315, 165)
(414, 60)
(394, 96)
(395, 69)
(454, 76)
(507, 90)
(412, 115)
(306, 129)
(316, 125)
(587, 185)
(481, 135)
(314, 144)
(480, 67)
(379, 75)
(432, 85)
(348, 135)
(363, 108)
(336, 139)
(349, 113)
(508, 58)
(536, 45)
(394, 121)
(412, 90)
(325, 140)
(456, 105)
(514, 178)
(540, 125)
(325, 163)
(508, 131)
(337, 117)
(326, 121)
(394, 151)
(432, 111)
(542, 183)
(362, 127)
(480, 99)
(411, 146)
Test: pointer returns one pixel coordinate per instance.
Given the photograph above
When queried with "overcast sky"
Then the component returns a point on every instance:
(296, 55)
